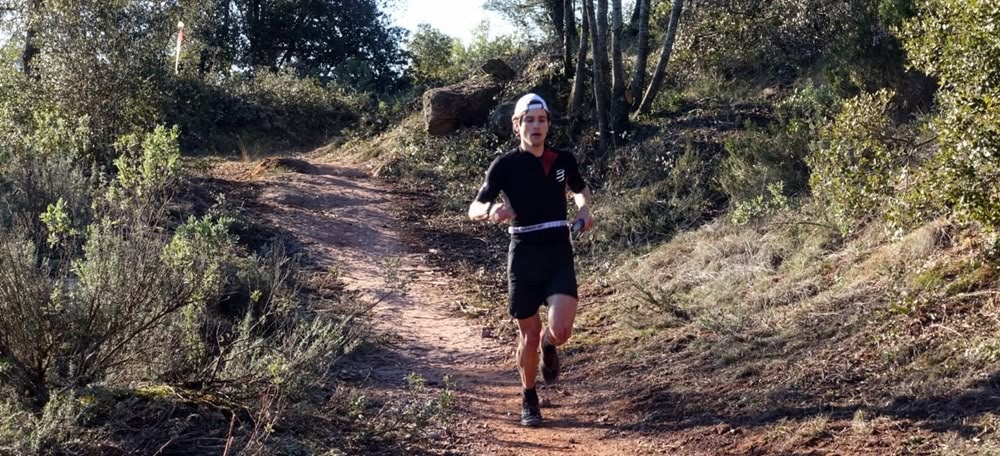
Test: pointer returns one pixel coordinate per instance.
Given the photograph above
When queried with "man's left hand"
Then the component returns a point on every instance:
(588, 220)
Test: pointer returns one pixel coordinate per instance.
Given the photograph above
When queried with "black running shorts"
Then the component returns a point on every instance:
(537, 271)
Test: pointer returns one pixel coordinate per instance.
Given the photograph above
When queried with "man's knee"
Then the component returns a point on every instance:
(530, 339)
(561, 316)
(559, 334)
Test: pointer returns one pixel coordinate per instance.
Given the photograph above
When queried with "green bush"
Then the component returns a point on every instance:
(148, 165)
(54, 431)
(742, 36)
(956, 42)
(433, 58)
(760, 205)
(764, 165)
(438, 59)
(103, 60)
(46, 164)
(854, 164)
(131, 303)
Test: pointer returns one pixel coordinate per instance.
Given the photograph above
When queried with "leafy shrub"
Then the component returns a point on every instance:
(433, 57)
(47, 165)
(482, 47)
(854, 165)
(809, 107)
(131, 303)
(54, 431)
(439, 59)
(851, 42)
(31, 184)
(747, 36)
(150, 164)
(957, 43)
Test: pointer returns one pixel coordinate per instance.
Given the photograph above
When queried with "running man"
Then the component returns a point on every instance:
(532, 182)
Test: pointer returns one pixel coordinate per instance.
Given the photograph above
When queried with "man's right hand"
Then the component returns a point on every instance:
(501, 213)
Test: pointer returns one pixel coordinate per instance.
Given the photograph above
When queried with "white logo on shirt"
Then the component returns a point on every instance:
(560, 175)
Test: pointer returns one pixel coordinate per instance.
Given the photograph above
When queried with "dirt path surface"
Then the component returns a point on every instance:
(344, 219)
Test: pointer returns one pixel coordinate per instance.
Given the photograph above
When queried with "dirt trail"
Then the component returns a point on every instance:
(343, 219)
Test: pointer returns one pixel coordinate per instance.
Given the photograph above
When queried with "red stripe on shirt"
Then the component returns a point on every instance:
(548, 159)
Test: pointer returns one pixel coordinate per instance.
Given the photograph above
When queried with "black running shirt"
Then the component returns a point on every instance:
(535, 186)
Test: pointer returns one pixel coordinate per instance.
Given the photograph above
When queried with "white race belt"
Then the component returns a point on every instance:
(538, 227)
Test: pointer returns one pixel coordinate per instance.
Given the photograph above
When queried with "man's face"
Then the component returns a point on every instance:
(533, 127)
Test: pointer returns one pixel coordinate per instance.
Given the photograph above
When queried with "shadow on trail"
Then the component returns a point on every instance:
(673, 411)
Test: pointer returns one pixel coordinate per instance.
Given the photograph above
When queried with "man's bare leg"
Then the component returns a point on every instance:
(527, 349)
(529, 330)
(562, 312)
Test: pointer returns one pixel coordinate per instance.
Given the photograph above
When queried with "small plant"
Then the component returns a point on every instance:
(760, 207)
(57, 222)
(416, 381)
(150, 164)
(660, 300)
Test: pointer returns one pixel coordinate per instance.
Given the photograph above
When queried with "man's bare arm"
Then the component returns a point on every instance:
(583, 198)
(479, 211)
(582, 201)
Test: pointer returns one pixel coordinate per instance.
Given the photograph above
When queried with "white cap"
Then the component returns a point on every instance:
(529, 102)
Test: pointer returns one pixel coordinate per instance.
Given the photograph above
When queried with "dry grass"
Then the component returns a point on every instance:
(784, 314)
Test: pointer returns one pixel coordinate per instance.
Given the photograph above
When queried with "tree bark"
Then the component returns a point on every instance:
(557, 16)
(634, 20)
(641, 55)
(30, 43)
(569, 36)
(661, 66)
(619, 110)
(576, 94)
(600, 52)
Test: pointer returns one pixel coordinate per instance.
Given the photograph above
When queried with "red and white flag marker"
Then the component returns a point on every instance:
(180, 41)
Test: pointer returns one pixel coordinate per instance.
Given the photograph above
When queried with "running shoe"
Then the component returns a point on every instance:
(531, 416)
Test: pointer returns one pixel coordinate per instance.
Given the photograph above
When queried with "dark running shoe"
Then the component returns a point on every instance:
(550, 363)
(531, 416)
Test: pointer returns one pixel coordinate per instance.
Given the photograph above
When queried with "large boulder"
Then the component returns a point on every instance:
(463, 104)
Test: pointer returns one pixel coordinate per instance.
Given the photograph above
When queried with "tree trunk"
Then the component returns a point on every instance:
(661, 66)
(569, 36)
(641, 56)
(556, 15)
(30, 43)
(576, 94)
(634, 21)
(600, 52)
(619, 110)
